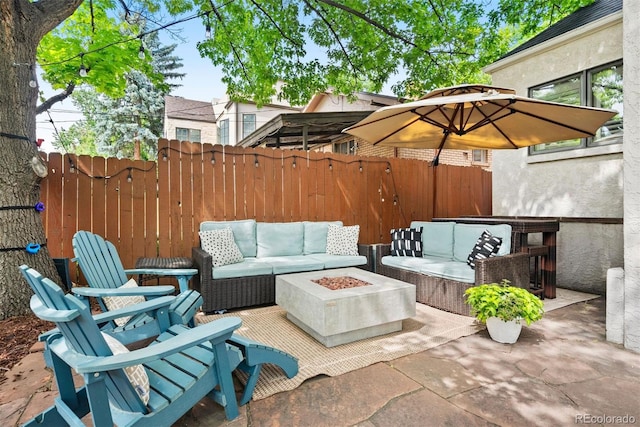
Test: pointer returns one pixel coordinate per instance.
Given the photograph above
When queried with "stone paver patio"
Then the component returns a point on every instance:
(561, 372)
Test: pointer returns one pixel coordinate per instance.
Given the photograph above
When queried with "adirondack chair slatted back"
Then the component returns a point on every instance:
(99, 260)
(81, 333)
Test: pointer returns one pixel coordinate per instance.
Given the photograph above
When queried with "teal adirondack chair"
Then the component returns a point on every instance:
(255, 353)
(182, 366)
(105, 274)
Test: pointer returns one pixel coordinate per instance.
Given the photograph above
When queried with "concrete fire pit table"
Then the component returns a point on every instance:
(340, 316)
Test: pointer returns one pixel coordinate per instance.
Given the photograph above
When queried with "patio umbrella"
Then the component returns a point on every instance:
(477, 117)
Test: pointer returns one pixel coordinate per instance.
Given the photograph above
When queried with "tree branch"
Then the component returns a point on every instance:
(335, 36)
(55, 98)
(275, 24)
(233, 47)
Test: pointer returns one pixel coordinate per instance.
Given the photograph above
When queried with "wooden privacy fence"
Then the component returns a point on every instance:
(150, 209)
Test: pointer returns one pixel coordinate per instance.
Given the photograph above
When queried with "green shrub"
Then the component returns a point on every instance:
(505, 302)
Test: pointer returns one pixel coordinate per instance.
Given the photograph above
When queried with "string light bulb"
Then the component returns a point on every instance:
(388, 169)
(83, 70)
(129, 177)
(360, 168)
(32, 80)
(213, 158)
(257, 164)
(330, 165)
(164, 154)
(207, 29)
(294, 162)
(141, 54)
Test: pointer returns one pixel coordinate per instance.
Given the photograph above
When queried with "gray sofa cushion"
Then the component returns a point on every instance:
(244, 233)
(437, 238)
(248, 267)
(453, 270)
(411, 263)
(339, 261)
(293, 264)
(315, 236)
(465, 237)
(279, 238)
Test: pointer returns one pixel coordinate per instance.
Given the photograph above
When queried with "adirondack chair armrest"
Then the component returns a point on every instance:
(146, 306)
(131, 310)
(215, 332)
(151, 291)
(49, 314)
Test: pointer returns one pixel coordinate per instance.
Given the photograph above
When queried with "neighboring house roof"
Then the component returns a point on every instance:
(287, 130)
(176, 107)
(585, 15)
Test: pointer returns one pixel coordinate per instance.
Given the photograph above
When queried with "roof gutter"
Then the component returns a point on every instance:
(580, 32)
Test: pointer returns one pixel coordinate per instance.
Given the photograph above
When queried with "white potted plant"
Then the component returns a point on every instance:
(503, 308)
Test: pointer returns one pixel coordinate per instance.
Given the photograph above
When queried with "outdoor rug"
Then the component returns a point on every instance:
(269, 325)
(429, 328)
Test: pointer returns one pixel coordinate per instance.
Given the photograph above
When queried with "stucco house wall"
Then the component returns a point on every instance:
(575, 184)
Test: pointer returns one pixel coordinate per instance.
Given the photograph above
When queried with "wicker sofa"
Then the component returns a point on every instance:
(268, 249)
(442, 275)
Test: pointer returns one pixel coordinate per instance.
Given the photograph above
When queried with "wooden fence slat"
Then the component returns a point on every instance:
(70, 201)
(53, 206)
(150, 211)
(112, 204)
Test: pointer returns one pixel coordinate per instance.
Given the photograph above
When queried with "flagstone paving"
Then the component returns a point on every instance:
(561, 372)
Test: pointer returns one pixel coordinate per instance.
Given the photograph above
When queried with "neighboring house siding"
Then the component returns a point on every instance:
(208, 131)
(234, 112)
(577, 184)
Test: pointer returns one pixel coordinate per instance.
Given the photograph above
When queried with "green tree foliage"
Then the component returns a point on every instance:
(365, 42)
(129, 125)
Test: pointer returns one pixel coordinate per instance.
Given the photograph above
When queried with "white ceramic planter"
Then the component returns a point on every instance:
(504, 332)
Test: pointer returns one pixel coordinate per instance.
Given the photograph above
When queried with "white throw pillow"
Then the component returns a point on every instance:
(114, 303)
(137, 375)
(343, 240)
(221, 245)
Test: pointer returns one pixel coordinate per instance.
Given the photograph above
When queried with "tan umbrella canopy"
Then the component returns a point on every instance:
(477, 117)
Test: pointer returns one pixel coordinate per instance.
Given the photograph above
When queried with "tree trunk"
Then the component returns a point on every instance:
(22, 26)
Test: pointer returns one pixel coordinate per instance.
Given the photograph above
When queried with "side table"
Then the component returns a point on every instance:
(178, 267)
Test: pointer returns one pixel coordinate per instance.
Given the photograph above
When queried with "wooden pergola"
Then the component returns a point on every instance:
(306, 131)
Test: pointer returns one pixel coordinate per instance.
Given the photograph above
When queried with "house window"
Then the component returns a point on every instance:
(348, 147)
(184, 134)
(598, 87)
(248, 124)
(480, 157)
(223, 132)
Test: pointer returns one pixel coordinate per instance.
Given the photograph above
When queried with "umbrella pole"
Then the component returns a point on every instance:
(435, 162)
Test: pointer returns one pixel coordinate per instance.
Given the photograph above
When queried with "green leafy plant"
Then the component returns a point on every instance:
(505, 302)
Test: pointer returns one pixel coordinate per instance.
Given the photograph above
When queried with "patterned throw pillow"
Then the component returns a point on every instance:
(114, 303)
(342, 240)
(137, 375)
(486, 246)
(221, 245)
(406, 242)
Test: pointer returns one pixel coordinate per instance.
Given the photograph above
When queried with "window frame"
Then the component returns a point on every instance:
(190, 134)
(245, 123)
(223, 137)
(586, 99)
